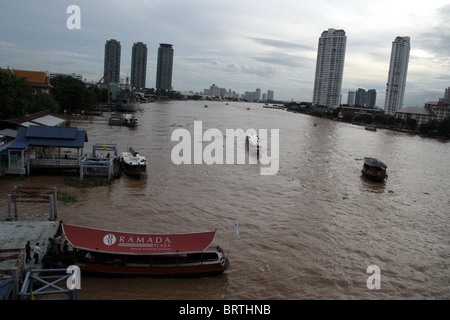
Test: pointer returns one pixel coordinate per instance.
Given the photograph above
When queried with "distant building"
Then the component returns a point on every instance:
(112, 61)
(446, 99)
(360, 97)
(398, 69)
(39, 80)
(138, 65)
(329, 68)
(351, 98)
(432, 111)
(371, 98)
(164, 67)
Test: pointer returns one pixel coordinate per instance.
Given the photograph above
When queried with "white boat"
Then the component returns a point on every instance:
(134, 164)
(129, 120)
(252, 141)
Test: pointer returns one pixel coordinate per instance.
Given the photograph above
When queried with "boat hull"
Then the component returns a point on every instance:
(374, 177)
(199, 270)
(127, 106)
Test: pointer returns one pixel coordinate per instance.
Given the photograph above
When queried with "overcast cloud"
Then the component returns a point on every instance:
(238, 45)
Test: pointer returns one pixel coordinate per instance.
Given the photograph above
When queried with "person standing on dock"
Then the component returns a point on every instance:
(36, 251)
(28, 252)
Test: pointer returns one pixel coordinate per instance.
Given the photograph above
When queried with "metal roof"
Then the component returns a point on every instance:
(49, 120)
(69, 137)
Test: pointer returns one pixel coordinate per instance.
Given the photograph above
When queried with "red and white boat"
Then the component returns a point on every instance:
(106, 252)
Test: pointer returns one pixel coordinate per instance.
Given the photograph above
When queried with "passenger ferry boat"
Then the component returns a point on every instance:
(113, 253)
(374, 169)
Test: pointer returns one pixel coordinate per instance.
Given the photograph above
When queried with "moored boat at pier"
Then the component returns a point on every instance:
(113, 253)
(133, 163)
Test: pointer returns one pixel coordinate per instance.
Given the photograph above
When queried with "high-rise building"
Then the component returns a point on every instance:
(360, 97)
(270, 95)
(395, 87)
(329, 68)
(138, 65)
(371, 98)
(164, 67)
(112, 61)
(351, 98)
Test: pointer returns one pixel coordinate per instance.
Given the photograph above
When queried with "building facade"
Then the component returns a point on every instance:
(164, 67)
(329, 68)
(398, 69)
(138, 65)
(112, 61)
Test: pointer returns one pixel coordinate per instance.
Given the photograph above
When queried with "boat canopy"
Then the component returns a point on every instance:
(374, 162)
(107, 241)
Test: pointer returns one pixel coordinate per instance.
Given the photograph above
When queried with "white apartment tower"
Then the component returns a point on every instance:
(398, 68)
(330, 68)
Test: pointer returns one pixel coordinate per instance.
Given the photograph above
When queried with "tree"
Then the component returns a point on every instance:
(72, 94)
(411, 124)
(16, 95)
(444, 127)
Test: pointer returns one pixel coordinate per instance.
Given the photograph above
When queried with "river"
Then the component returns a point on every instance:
(310, 231)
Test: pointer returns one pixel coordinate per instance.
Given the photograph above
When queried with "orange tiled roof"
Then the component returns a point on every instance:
(38, 79)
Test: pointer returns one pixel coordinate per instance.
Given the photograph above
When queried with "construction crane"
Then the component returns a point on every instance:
(107, 83)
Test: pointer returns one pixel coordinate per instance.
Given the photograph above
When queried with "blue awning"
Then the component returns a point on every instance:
(19, 144)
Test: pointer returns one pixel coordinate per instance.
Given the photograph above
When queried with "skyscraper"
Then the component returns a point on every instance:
(138, 65)
(164, 67)
(395, 87)
(112, 61)
(329, 68)
(371, 98)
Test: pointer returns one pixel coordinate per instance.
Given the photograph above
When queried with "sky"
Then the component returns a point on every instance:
(238, 45)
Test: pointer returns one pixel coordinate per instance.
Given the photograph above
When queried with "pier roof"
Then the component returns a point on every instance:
(69, 137)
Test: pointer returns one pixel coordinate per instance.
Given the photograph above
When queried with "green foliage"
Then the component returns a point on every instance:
(72, 94)
(16, 95)
(18, 98)
(444, 127)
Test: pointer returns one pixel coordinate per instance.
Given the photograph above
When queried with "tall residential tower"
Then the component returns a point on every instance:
(395, 87)
(329, 68)
(164, 67)
(138, 65)
(112, 61)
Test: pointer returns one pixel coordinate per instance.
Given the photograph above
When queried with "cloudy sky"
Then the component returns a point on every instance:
(238, 45)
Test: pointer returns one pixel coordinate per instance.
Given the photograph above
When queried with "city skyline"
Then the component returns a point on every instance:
(238, 45)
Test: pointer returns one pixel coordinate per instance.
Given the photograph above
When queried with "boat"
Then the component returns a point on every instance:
(374, 169)
(127, 101)
(125, 119)
(133, 163)
(371, 128)
(253, 142)
(113, 253)
(129, 120)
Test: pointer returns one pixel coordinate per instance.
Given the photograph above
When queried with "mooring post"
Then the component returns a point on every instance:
(55, 198)
(52, 213)
(9, 208)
